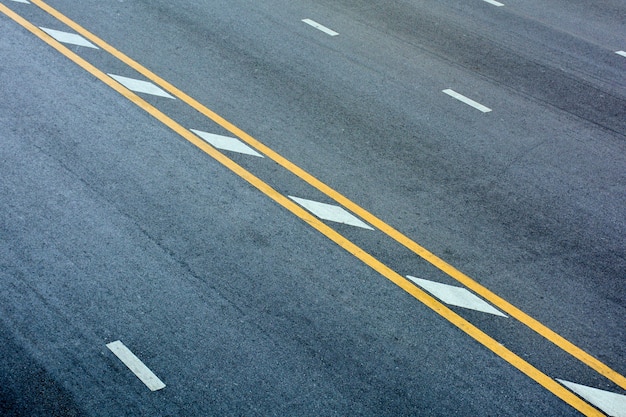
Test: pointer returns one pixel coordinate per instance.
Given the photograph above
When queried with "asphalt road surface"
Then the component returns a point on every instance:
(312, 208)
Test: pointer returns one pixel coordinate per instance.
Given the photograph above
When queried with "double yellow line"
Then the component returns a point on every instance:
(544, 380)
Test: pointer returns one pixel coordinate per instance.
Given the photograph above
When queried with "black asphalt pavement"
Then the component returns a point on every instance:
(114, 227)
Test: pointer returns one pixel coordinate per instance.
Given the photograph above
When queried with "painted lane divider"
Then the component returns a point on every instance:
(456, 296)
(330, 212)
(137, 367)
(396, 235)
(467, 327)
(69, 38)
(226, 143)
(21, 1)
(318, 26)
(422, 252)
(622, 53)
(471, 330)
(140, 86)
(494, 2)
(612, 404)
(466, 100)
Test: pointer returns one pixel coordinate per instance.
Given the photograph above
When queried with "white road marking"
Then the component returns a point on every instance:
(495, 3)
(226, 143)
(320, 27)
(21, 1)
(330, 212)
(622, 53)
(136, 366)
(456, 296)
(467, 101)
(140, 86)
(612, 404)
(71, 38)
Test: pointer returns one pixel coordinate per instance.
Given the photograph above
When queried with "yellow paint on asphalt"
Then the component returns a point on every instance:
(445, 312)
(399, 237)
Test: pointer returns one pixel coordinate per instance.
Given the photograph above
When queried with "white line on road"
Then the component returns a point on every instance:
(467, 101)
(320, 27)
(140, 86)
(71, 38)
(136, 366)
(495, 3)
(622, 53)
(21, 1)
(612, 404)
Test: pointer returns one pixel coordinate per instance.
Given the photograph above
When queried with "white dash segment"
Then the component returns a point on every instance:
(622, 53)
(612, 404)
(467, 101)
(456, 296)
(140, 86)
(331, 212)
(320, 27)
(21, 1)
(71, 38)
(495, 3)
(226, 143)
(136, 366)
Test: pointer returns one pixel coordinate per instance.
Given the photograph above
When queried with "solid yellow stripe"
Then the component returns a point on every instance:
(468, 328)
(428, 256)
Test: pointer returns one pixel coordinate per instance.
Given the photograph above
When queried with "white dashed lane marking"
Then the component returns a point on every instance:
(467, 101)
(71, 38)
(320, 27)
(612, 404)
(330, 212)
(133, 363)
(495, 3)
(456, 296)
(226, 143)
(622, 53)
(21, 1)
(139, 86)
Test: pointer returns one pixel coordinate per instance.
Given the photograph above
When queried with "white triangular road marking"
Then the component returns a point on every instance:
(140, 86)
(71, 38)
(456, 296)
(609, 402)
(227, 143)
(330, 212)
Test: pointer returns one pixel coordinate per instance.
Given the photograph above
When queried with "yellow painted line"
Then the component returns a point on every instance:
(439, 308)
(419, 250)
